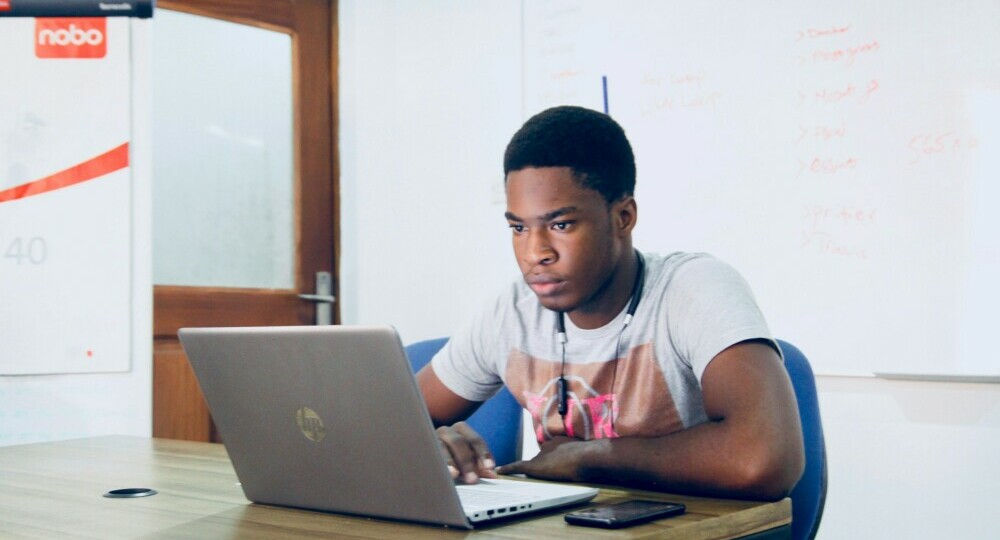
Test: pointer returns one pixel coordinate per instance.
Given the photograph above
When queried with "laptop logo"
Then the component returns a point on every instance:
(310, 423)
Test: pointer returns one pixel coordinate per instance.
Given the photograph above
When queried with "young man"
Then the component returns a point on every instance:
(637, 369)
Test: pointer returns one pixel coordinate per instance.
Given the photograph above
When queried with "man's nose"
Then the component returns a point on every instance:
(540, 249)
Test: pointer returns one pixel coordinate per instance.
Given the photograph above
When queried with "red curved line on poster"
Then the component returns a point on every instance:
(106, 163)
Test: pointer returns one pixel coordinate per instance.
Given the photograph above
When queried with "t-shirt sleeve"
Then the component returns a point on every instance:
(710, 308)
(466, 364)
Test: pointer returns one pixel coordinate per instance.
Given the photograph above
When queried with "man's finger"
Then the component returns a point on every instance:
(463, 456)
(517, 467)
(482, 450)
(452, 469)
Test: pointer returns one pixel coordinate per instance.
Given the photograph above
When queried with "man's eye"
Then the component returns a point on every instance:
(561, 225)
(517, 228)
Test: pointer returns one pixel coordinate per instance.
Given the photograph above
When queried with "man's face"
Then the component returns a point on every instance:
(564, 239)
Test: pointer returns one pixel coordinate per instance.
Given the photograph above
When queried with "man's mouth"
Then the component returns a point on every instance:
(544, 285)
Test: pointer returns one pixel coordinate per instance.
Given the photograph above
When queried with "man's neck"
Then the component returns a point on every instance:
(612, 298)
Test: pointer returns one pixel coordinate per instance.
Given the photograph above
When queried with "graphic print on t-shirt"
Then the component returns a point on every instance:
(621, 397)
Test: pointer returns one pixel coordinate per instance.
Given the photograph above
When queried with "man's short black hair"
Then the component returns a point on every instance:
(590, 143)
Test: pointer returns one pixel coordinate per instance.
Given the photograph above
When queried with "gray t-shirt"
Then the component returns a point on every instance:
(693, 306)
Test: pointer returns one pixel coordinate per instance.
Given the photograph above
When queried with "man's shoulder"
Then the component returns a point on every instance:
(681, 275)
(665, 267)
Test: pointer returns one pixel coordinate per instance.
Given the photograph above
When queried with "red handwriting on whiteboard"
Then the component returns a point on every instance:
(822, 133)
(676, 92)
(813, 33)
(702, 100)
(667, 104)
(928, 144)
(689, 78)
(819, 214)
(853, 93)
(824, 243)
(693, 78)
(822, 166)
(655, 105)
(846, 55)
(566, 74)
(872, 87)
(833, 96)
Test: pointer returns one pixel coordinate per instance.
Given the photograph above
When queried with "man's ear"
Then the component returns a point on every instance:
(625, 213)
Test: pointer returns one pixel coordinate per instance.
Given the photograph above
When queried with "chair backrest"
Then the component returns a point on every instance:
(809, 495)
(498, 420)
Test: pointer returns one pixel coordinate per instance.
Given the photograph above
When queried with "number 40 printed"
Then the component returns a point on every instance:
(27, 251)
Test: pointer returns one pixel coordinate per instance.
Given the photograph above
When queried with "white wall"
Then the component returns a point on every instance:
(37, 408)
(430, 94)
(910, 459)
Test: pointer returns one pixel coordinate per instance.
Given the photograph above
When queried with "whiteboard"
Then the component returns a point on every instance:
(65, 196)
(844, 157)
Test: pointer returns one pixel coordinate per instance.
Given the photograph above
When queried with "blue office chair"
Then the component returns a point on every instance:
(809, 495)
(498, 420)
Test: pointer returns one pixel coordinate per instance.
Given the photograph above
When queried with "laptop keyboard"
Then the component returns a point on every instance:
(485, 496)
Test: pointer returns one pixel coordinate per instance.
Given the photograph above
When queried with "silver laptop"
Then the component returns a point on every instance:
(330, 418)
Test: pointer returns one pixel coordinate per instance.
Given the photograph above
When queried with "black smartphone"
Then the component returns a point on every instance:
(624, 514)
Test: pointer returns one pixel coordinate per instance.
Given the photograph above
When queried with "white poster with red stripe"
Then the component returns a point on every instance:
(65, 196)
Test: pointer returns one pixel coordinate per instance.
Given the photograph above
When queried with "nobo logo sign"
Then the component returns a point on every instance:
(71, 38)
(310, 423)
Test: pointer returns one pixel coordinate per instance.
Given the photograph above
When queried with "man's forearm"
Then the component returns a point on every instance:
(710, 459)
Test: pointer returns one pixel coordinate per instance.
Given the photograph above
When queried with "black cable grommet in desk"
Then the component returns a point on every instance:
(129, 493)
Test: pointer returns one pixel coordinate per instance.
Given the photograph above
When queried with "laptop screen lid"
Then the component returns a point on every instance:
(331, 418)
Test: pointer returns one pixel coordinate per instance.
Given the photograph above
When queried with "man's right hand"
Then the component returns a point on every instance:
(466, 453)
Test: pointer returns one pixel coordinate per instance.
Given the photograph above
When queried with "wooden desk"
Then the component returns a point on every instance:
(55, 489)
